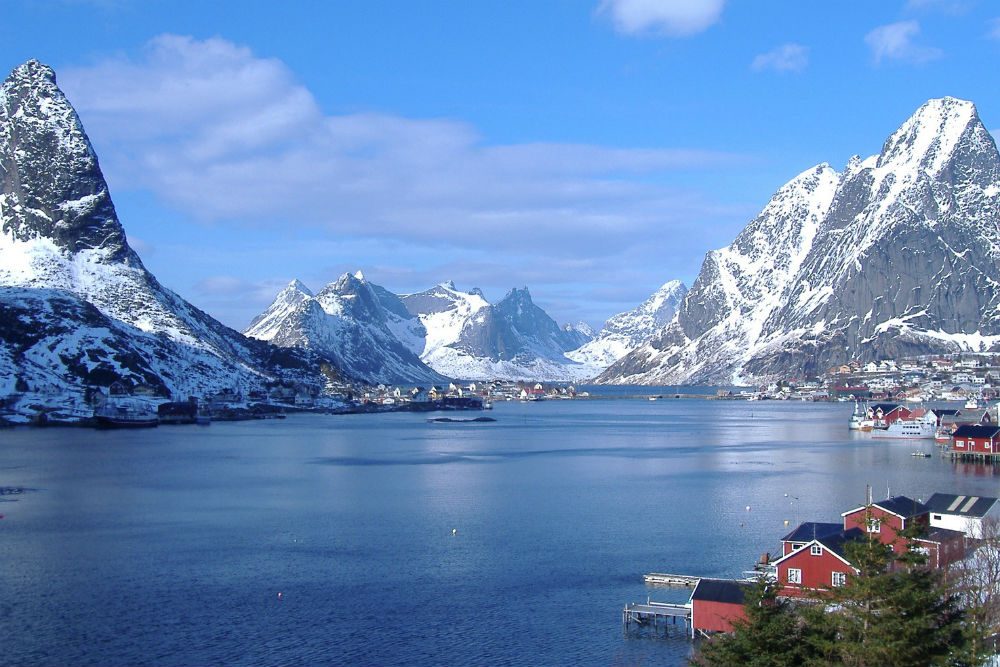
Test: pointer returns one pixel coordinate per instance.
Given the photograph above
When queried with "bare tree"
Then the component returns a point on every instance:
(976, 580)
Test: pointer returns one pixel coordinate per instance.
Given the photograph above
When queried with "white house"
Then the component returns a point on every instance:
(963, 513)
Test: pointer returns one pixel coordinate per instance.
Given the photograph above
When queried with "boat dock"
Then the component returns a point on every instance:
(656, 615)
(673, 580)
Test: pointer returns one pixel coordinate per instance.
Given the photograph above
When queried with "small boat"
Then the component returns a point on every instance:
(907, 429)
(923, 455)
(487, 405)
(972, 404)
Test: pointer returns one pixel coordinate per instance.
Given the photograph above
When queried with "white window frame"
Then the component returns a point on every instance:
(794, 575)
(838, 579)
(960, 443)
(816, 550)
(875, 525)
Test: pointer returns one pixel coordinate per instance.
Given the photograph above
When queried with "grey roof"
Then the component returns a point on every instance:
(949, 503)
(836, 542)
(720, 590)
(903, 506)
(812, 530)
(939, 535)
(976, 431)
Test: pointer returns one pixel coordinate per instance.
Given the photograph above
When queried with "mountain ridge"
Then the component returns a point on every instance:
(895, 256)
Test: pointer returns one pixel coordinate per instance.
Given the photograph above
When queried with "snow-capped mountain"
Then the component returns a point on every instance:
(79, 308)
(897, 255)
(626, 331)
(514, 339)
(363, 327)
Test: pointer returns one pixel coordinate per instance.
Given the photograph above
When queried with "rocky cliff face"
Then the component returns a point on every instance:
(897, 255)
(626, 331)
(514, 339)
(66, 267)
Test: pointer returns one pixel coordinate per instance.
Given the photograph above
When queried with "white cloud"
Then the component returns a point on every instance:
(223, 135)
(785, 58)
(675, 18)
(994, 32)
(895, 42)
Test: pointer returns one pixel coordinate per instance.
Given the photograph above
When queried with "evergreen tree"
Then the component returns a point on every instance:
(894, 611)
(769, 636)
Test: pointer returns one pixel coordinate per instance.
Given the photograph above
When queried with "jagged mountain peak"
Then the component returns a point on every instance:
(51, 185)
(929, 137)
(448, 284)
(297, 286)
(359, 275)
(33, 73)
(898, 256)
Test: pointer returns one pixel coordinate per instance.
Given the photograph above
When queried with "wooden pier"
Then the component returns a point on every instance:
(656, 615)
(672, 580)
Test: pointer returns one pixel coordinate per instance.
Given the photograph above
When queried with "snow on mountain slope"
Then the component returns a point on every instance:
(363, 327)
(61, 240)
(623, 332)
(514, 339)
(896, 256)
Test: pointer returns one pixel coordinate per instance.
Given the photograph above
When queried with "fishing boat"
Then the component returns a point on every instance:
(125, 415)
(907, 429)
(860, 421)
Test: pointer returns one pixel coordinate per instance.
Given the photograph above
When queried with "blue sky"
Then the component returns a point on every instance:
(591, 150)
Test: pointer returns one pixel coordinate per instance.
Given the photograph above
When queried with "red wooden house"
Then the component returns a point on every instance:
(886, 518)
(976, 439)
(942, 546)
(819, 564)
(885, 414)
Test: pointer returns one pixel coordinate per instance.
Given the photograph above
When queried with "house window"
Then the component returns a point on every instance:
(960, 443)
(936, 517)
(839, 578)
(816, 550)
(794, 575)
(874, 526)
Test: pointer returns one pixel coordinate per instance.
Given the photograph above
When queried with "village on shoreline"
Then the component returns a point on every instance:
(973, 378)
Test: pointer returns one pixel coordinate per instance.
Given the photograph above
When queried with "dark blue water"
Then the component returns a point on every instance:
(169, 546)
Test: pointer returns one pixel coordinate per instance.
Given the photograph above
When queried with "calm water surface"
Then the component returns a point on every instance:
(169, 547)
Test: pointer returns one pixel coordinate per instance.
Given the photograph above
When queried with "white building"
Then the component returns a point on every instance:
(963, 513)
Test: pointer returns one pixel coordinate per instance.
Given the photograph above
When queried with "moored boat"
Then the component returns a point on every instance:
(860, 421)
(907, 429)
(125, 415)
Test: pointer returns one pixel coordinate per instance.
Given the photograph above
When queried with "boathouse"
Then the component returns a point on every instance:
(975, 440)
(885, 519)
(716, 603)
(963, 513)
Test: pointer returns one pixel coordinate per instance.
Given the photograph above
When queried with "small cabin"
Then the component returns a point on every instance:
(887, 518)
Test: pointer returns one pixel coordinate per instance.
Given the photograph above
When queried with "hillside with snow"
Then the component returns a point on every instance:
(364, 328)
(897, 255)
(79, 308)
(626, 331)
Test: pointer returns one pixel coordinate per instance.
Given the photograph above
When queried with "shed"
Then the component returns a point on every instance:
(716, 603)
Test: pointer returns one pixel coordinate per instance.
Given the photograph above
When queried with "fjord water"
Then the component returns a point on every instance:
(170, 546)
